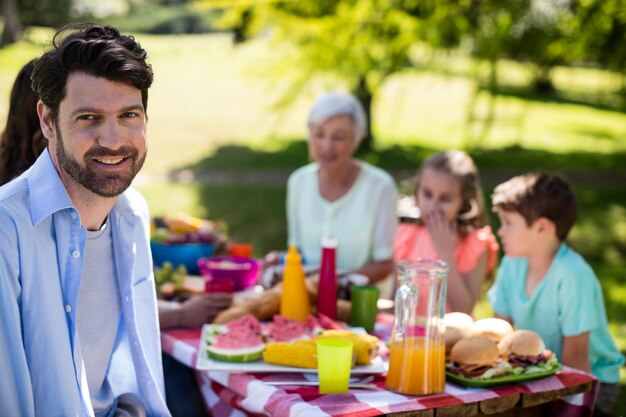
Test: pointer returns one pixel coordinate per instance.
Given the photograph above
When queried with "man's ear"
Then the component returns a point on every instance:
(45, 121)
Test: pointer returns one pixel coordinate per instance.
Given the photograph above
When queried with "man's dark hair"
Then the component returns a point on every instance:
(97, 50)
(539, 195)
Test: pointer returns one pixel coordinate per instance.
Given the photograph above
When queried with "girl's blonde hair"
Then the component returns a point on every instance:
(461, 167)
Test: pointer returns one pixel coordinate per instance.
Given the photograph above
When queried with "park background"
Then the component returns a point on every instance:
(520, 85)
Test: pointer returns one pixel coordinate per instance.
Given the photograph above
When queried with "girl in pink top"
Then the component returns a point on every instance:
(452, 226)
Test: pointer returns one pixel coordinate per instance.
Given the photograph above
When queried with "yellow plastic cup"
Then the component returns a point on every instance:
(334, 361)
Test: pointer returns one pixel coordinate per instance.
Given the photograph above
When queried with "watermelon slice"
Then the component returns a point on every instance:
(314, 326)
(237, 341)
(283, 329)
(328, 323)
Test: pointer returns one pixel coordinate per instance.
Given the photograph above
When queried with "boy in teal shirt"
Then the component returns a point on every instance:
(545, 286)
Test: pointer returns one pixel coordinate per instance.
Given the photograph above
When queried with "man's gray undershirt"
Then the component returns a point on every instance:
(98, 315)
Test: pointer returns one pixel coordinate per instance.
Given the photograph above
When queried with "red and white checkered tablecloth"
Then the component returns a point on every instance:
(244, 394)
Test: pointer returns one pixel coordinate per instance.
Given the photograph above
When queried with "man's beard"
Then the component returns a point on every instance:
(101, 183)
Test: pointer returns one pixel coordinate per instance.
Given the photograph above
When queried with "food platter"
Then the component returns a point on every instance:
(501, 380)
(207, 364)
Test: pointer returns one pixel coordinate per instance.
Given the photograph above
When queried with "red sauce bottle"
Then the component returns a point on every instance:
(327, 294)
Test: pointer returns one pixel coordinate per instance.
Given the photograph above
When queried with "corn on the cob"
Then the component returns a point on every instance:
(365, 345)
(299, 353)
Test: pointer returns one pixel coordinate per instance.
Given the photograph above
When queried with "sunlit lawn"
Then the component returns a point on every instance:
(208, 94)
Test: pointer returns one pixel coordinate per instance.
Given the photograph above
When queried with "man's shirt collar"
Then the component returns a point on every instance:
(47, 192)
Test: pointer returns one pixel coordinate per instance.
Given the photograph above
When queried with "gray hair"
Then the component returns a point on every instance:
(339, 104)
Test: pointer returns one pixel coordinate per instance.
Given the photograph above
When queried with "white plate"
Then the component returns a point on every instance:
(207, 364)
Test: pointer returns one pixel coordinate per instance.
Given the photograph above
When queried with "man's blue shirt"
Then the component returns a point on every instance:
(41, 262)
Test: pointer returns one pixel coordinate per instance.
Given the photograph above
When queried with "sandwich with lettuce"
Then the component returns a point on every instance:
(520, 352)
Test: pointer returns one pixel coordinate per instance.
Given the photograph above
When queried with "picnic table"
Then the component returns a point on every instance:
(569, 393)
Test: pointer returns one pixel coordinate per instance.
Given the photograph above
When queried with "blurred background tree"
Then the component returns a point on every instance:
(542, 35)
(361, 43)
(12, 26)
(357, 43)
(602, 36)
(18, 15)
(52, 13)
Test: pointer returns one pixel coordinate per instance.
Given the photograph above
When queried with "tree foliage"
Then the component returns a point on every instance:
(359, 43)
(11, 27)
(45, 12)
(362, 42)
(602, 32)
(535, 31)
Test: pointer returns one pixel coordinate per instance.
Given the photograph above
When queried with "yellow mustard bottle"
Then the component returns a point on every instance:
(294, 301)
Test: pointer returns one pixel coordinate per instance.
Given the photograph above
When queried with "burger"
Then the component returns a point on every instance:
(525, 349)
(458, 319)
(452, 336)
(457, 327)
(476, 357)
(493, 328)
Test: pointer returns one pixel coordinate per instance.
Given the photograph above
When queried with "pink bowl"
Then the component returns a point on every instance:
(242, 272)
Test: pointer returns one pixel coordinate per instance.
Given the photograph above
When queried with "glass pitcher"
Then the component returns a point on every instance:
(417, 357)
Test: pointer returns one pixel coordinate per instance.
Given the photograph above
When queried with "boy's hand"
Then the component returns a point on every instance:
(443, 233)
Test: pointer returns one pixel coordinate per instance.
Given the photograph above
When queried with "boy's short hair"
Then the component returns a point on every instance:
(538, 195)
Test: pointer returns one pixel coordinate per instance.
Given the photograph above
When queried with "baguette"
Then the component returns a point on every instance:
(265, 305)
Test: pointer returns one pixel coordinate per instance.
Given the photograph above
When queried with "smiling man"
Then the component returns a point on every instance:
(77, 301)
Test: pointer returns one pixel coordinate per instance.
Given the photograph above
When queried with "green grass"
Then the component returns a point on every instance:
(447, 113)
(210, 111)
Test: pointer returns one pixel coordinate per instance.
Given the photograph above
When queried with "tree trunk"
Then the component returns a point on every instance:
(493, 75)
(623, 90)
(240, 32)
(364, 95)
(12, 28)
(543, 81)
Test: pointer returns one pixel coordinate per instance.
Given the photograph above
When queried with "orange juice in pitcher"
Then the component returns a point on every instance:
(417, 356)
(416, 368)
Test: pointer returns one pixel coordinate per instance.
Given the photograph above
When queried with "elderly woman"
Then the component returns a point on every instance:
(342, 197)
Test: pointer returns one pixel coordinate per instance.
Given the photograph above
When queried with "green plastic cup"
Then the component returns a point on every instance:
(334, 360)
(364, 306)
